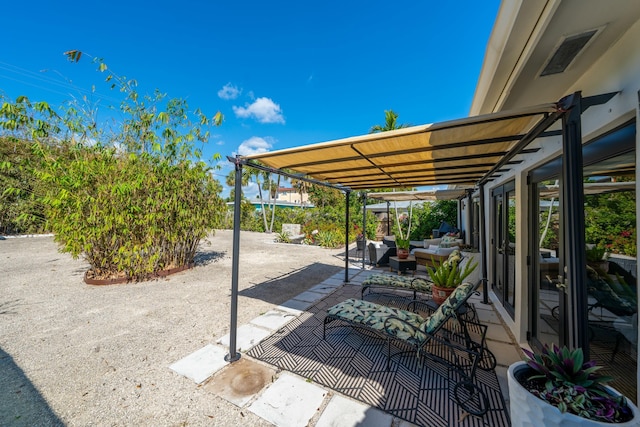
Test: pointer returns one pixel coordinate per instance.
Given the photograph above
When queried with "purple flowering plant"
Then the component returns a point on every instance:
(563, 379)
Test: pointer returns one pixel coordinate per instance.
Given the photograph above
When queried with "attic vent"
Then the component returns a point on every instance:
(567, 52)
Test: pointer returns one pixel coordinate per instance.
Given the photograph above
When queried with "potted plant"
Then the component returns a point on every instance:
(447, 276)
(360, 240)
(597, 257)
(557, 387)
(402, 247)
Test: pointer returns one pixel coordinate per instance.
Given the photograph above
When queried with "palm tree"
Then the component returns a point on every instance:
(390, 123)
(230, 180)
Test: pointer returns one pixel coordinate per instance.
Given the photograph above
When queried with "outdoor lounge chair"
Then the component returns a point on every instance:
(428, 337)
(415, 284)
(388, 281)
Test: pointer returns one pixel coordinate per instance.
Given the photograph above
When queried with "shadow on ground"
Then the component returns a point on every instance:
(353, 362)
(206, 258)
(21, 404)
(282, 288)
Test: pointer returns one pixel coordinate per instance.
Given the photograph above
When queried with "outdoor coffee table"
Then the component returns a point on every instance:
(402, 265)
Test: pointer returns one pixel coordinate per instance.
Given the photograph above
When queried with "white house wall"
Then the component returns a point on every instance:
(617, 70)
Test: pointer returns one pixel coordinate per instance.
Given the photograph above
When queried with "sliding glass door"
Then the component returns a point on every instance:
(503, 245)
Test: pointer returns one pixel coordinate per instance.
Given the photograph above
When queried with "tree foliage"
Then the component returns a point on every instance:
(20, 212)
(431, 215)
(132, 200)
(610, 222)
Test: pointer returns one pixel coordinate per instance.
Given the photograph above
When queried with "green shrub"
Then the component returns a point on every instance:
(133, 203)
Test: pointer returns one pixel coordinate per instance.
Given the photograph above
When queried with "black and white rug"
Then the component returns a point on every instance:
(353, 363)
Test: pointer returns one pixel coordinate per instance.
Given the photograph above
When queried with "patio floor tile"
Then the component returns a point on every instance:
(343, 412)
(289, 401)
(201, 364)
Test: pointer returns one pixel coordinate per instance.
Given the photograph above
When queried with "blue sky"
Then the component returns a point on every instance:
(284, 74)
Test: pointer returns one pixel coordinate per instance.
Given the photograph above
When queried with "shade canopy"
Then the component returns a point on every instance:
(427, 195)
(458, 152)
(590, 188)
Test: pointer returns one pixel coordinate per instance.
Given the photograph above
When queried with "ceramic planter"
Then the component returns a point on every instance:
(403, 253)
(528, 410)
(439, 294)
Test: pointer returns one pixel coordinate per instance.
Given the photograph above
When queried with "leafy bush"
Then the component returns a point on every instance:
(131, 216)
(330, 239)
(283, 237)
(134, 202)
(431, 215)
(20, 212)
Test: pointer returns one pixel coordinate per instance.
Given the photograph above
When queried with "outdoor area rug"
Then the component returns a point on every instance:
(353, 363)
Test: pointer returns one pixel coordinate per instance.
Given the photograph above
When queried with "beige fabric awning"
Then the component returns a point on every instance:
(429, 195)
(590, 188)
(458, 152)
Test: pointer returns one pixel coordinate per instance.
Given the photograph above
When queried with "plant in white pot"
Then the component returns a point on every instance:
(557, 387)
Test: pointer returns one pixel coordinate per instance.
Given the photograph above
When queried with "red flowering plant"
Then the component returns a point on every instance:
(359, 235)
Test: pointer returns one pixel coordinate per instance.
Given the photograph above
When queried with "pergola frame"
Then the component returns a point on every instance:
(569, 109)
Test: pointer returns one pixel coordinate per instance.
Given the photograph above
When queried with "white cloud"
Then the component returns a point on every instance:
(229, 91)
(250, 191)
(263, 110)
(254, 145)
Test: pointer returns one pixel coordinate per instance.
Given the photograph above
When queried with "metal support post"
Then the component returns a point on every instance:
(233, 329)
(483, 247)
(346, 229)
(573, 249)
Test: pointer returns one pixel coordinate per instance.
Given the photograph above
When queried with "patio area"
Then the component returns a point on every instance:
(343, 379)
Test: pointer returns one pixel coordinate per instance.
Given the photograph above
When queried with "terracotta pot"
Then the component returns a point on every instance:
(403, 253)
(439, 294)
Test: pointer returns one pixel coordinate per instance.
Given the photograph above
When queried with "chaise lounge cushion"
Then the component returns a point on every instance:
(374, 316)
(409, 283)
(396, 323)
(449, 306)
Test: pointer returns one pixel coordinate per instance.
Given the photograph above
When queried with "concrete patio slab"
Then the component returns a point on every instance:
(201, 364)
(273, 319)
(309, 296)
(343, 412)
(289, 401)
(498, 333)
(506, 353)
(295, 304)
(287, 309)
(247, 336)
(241, 381)
(324, 288)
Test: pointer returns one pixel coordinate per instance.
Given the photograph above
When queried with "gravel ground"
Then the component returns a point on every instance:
(81, 355)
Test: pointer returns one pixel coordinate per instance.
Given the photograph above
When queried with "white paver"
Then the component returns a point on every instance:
(273, 319)
(290, 310)
(201, 364)
(295, 304)
(309, 296)
(323, 289)
(290, 401)
(246, 337)
(343, 412)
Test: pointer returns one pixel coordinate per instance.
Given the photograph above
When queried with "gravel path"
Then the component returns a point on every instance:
(80, 355)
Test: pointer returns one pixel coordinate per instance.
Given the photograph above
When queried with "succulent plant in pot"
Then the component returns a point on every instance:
(448, 275)
(556, 386)
(402, 247)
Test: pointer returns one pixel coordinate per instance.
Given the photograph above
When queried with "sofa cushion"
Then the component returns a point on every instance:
(447, 251)
(428, 242)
